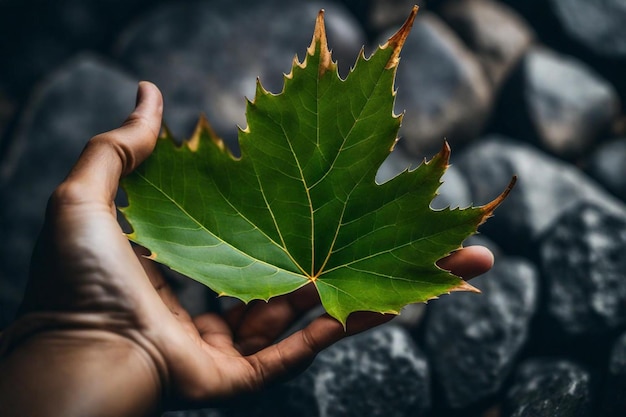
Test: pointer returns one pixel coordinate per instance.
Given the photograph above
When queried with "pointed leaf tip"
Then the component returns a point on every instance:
(319, 38)
(444, 154)
(465, 286)
(397, 41)
(488, 208)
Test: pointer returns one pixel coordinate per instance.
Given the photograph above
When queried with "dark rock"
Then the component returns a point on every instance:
(583, 263)
(86, 97)
(558, 102)
(547, 388)
(377, 373)
(441, 86)
(614, 401)
(546, 187)
(93, 24)
(28, 60)
(473, 340)
(205, 57)
(607, 164)
(495, 33)
(598, 25)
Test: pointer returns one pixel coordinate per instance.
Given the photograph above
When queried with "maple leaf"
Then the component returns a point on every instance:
(301, 205)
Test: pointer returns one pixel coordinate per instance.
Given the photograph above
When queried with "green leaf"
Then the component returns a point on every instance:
(301, 205)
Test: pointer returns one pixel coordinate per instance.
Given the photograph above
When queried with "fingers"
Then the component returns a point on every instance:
(259, 324)
(291, 355)
(110, 155)
(468, 262)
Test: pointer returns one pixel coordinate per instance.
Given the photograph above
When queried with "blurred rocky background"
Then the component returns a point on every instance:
(527, 87)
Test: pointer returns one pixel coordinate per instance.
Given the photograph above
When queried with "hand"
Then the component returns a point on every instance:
(90, 292)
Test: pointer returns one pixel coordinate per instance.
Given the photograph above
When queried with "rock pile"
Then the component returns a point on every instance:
(523, 88)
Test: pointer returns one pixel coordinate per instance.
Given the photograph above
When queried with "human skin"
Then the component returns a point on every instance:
(101, 333)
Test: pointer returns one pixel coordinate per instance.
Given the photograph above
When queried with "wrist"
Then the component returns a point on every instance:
(76, 372)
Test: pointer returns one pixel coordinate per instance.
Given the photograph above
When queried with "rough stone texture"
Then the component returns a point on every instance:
(86, 97)
(441, 86)
(472, 340)
(614, 399)
(205, 57)
(598, 25)
(607, 165)
(494, 32)
(377, 373)
(548, 388)
(558, 102)
(546, 187)
(583, 263)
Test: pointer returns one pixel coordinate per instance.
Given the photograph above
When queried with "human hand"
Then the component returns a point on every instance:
(89, 290)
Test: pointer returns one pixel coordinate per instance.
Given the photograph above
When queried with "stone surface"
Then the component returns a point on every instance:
(377, 373)
(546, 187)
(614, 400)
(442, 88)
(598, 25)
(494, 32)
(547, 388)
(473, 340)
(86, 97)
(607, 165)
(558, 102)
(205, 57)
(583, 264)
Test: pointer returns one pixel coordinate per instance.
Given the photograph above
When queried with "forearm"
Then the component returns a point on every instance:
(90, 374)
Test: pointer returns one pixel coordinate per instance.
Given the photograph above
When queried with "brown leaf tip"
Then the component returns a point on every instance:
(319, 38)
(465, 286)
(444, 154)
(397, 41)
(203, 127)
(488, 208)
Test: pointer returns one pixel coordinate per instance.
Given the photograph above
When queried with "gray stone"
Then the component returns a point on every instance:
(546, 187)
(607, 164)
(377, 373)
(548, 388)
(442, 88)
(583, 263)
(473, 340)
(495, 33)
(598, 25)
(85, 97)
(614, 399)
(205, 57)
(568, 104)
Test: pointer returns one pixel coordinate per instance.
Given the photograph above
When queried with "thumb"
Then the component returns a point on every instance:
(110, 155)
